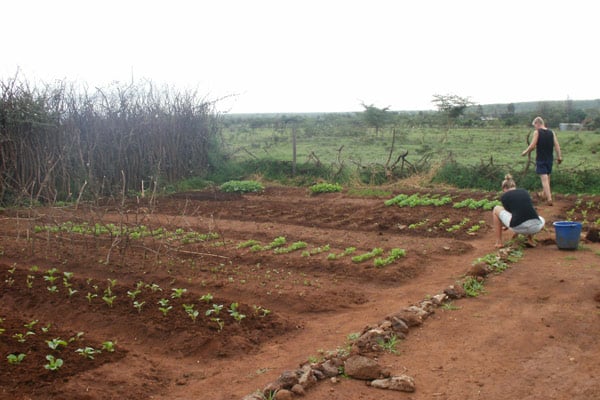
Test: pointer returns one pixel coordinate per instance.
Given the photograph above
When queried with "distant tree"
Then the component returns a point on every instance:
(510, 109)
(376, 117)
(452, 106)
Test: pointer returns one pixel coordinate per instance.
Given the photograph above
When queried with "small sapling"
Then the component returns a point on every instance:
(53, 363)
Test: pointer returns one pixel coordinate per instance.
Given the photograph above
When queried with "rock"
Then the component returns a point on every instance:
(399, 326)
(420, 312)
(307, 377)
(439, 299)
(370, 338)
(455, 292)
(410, 318)
(285, 381)
(401, 383)
(593, 235)
(385, 325)
(318, 374)
(298, 389)
(329, 369)
(480, 269)
(427, 306)
(284, 394)
(361, 367)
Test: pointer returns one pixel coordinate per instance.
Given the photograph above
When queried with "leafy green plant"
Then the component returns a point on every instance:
(215, 310)
(15, 359)
(316, 251)
(242, 187)
(473, 287)
(293, 247)
(22, 337)
(132, 294)
(191, 312)
(235, 313)
(87, 352)
(177, 293)
(31, 324)
(220, 323)
(260, 311)
(138, 305)
(71, 292)
(53, 363)
(325, 188)
(248, 243)
(29, 281)
(207, 298)
(76, 338)
(367, 256)
(414, 200)
(109, 300)
(164, 306)
(108, 346)
(52, 289)
(393, 256)
(55, 343)
(348, 251)
(154, 288)
(418, 224)
(89, 296)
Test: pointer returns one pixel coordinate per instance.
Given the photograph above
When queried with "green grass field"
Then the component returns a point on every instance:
(466, 146)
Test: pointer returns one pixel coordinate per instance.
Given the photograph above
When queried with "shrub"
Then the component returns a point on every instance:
(242, 187)
(325, 188)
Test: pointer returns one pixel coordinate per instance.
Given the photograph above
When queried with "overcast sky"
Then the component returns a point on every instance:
(304, 56)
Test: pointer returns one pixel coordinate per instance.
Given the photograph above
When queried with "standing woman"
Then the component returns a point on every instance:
(516, 213)
(544, 142)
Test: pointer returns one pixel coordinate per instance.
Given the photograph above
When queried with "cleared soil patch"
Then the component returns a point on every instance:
(294, 304)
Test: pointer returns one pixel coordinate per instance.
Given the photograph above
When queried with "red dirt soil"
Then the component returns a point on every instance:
(533, 334)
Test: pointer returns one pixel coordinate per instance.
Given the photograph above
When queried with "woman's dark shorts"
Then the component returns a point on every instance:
(543, 167)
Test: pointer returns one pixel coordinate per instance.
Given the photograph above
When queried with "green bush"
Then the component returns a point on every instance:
(325, 188)
(242, 187)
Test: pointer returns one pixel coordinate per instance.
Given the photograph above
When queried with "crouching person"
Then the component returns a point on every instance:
(516, 213)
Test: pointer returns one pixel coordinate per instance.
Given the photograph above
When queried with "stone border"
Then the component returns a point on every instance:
(358, 362)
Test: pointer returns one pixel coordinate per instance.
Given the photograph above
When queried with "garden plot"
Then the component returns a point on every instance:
(200, 285)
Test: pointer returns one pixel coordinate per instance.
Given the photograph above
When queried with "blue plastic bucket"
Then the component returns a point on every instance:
(567, 234)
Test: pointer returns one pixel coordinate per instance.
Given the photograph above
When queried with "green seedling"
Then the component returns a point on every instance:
(15, 359)
(191, 312)
(90, 296)
(219, 322)
(77, 337)
(138, 305)
(87, 352)
(154, 288)
(72, 292)
(31, 324)
(293, 247)
(13, 269)
(234, 312)
(215, 310)
(108, 346)
(346, 252)
(164, 306)
(53, 363)
(55, 343)
(139, 285)
(34, 268)
(133, 293)
(393, 256)
(22, 337)
(260, 311)
(248, 243)
(109, 300)
(29, 281)
(207, 298)
(52, 289)
(177, 293)
(46, 329)
(367, 256)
